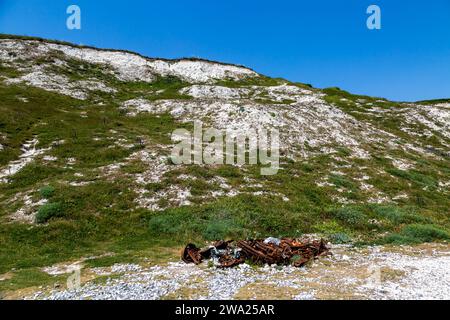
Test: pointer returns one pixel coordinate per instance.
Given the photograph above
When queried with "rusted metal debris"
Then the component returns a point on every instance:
(286, 251)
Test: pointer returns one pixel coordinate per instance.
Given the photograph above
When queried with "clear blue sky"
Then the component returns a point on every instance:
(322, 42)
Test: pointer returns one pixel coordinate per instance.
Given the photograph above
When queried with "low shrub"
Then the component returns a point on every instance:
(340, 238)
(164, 224)
(417, 233)
(418, 178)
(425, 233)
(342, 181)
(398, 215)
(47, 192)
(48, 211)
(351, 216)
(218, 230)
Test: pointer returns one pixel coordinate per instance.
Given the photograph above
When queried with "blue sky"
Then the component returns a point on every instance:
(324, 42)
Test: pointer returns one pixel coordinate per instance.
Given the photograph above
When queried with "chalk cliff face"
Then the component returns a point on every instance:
(84, 120)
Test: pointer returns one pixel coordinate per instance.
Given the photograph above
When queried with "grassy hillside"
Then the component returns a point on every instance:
(80, 196)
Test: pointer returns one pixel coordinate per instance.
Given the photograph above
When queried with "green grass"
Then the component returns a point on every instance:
(166, 87)
(8, 71)
(341, 181)
(340, 238)
(238, 217)
(49, 211)
(435, 101)
(417, 233)
(221, 229)
(397, 215)
(269, 101)
(353, 217)
(47, 192)
(415, 177)
(391, 121)
(252, 81)
(76, 70)
(29, 277)
(20, 120)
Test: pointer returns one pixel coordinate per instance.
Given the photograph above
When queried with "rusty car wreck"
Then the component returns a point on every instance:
(285, 251)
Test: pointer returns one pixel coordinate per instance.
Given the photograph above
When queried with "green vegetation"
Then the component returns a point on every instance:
(8, 71)
(91, 186)
(434, 101)
(397, 215)
(48, 211)
(252, 81)
(417, 233)
(341, 181)
(415, 177)
(360, 107)
(272, 102)
(29, 277)
(167, 87)
(170, 86)
(47, 192)
(351, 216)
(340, 238)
